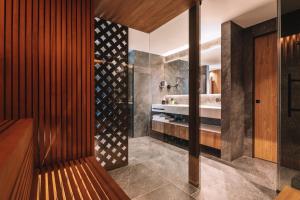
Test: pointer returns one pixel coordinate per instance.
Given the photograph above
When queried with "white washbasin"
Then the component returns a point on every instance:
(209, 111)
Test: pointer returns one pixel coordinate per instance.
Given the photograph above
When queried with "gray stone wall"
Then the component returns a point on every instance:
(171, 72)
(232, 117)
(148, 71)
(142, 98)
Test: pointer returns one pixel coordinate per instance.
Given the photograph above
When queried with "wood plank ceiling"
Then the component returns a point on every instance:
(143, 15)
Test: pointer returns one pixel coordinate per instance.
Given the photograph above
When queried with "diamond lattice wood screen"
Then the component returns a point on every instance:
(111, 84)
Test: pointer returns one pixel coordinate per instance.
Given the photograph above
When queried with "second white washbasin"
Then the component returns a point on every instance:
(208, 111)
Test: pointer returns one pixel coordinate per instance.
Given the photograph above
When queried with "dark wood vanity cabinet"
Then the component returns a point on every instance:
(207, 138)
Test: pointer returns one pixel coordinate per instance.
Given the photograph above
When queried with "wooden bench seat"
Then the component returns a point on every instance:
(77, 179)
(80, 179)
(16, 159)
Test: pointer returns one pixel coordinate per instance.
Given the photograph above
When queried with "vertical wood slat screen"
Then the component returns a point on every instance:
(46, 73)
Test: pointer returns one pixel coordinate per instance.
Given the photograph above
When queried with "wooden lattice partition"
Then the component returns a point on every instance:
(111, 84)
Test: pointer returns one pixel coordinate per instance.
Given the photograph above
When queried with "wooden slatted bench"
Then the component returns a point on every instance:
(80, 179)
(77, 179)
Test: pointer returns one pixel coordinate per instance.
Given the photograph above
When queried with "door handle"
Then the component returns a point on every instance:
(290, 108)
(257, 101)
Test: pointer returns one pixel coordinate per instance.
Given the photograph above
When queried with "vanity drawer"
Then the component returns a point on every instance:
(169, 129)
(210, 139)
(158, 126)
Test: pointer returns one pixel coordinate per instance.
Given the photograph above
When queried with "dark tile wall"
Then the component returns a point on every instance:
(232, 117)
(142, 98)
(148, 71)
(177, 71)
(290, 93)
(171, 72)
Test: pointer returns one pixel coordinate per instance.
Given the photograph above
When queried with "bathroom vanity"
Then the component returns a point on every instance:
(172, 119)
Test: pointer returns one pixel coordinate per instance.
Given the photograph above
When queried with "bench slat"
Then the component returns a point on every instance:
(79, 179)
(114, 189)
(75, 189)
(95, 182)
(80, 184)
(57, 183)
(88, 184)
(67, 190)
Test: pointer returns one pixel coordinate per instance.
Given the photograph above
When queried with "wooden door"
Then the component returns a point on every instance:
(265, 142)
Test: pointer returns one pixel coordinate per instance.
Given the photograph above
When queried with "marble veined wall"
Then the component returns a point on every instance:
(148, 71)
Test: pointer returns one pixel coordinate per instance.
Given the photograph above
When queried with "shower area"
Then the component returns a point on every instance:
(151, 79)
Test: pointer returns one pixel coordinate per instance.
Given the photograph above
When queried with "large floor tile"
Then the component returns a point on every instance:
(167, 192)
(137, 180)
(158, 170)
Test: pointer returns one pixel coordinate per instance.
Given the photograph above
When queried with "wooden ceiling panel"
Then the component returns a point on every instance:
(143, 15)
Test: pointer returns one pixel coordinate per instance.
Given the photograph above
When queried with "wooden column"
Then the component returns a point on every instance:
(194, 85)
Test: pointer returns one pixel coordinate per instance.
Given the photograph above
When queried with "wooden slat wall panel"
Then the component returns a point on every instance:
(92, 84)
(64, 79)
(53, 80)
(79, 54)
(2, 39)
(35, 77)
(29, 67)
(15, 59)
(74, 80)
(8, 61)
(69, 80)
(46, 73)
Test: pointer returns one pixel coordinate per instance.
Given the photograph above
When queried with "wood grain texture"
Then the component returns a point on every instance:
(207, 138)
(142, 15)
(194, 86)
(265, 139)
(16, 159)
(194, 165)
(158, 126)
(215, 77)
(288, 193)
(2, 62)
(210, 139)
(80, 179)
(8, 62)
(45, 73)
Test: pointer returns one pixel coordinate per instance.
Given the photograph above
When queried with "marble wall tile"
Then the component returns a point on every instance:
(148, 71)
(170, 72)
(232, 92)
(177, 71)
(157, 75)
(142, 98)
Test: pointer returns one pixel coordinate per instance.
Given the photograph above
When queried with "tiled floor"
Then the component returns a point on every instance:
(158, 170)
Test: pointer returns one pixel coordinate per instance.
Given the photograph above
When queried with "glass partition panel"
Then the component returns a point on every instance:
(289, 147)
